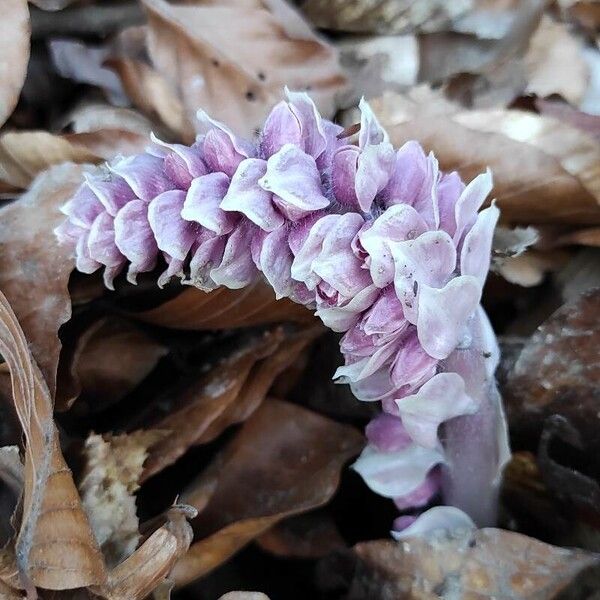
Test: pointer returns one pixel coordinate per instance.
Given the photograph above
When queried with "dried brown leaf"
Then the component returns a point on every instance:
(93, 367)
(25, 154)
(225, 309)
(35, 268)
(14, 53)
(309, 536)
(544, 171)
(233, 59)
(54, 553)
(113, 466)
(151, 563)
(555, 63)
(284, 461)
(151, 93)
(475, 564)
(227, 395)
(558, 370)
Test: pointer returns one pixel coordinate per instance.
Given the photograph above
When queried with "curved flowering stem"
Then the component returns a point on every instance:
(384, 247)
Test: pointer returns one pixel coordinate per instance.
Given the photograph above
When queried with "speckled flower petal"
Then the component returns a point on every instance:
(236, 269)
(443, 314)
(394, 474)
(135, 239)
(387, 434)
(281, 127)
(203, 203)
(398, 223)
(441, 398)
(276, 262)
(173, 234)
(112, 191)
(428, 260)
(101, 242)
(436, 521)
(336, 263)
(144, 174)
(470, 201)
(343, 316)
(293, 177)
(476, 249)
(411, 366)
(247, 197)
(83, 208)
(313, 138)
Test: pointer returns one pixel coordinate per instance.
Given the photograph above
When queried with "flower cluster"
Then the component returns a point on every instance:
(383, 246)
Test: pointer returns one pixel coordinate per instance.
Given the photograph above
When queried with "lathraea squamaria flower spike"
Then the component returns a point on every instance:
(381, 244)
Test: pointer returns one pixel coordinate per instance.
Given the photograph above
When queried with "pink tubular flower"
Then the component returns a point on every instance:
(383, 246)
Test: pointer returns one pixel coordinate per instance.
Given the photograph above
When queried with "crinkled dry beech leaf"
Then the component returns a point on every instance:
(14, 53)
(387, 16)
(113, 465)
(52, 4)
(93, 367)
(487, 563)
(237, 72)
(590, 236)
(25, 154)
(35, 269)
(285, 460)
(151, 93)
(555, 63)
(54, 553)
(151, 563)
(225, 309)
(228, 394)
(544, 171)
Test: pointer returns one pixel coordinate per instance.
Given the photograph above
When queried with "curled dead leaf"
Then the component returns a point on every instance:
(285, 460)
(544, 171)
(225, 309)
(35, 269)
(151, 563)
(237, 74)
(227, 395)
(14, 53)
(94, 369)
(54, 553)
(113, 466)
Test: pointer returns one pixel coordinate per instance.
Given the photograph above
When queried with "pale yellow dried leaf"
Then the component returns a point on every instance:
(113, 465)
(15, 31)
(555, 64)
(53, 553)
(234, 58)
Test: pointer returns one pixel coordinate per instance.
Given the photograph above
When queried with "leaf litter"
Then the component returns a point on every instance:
(178, 443)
